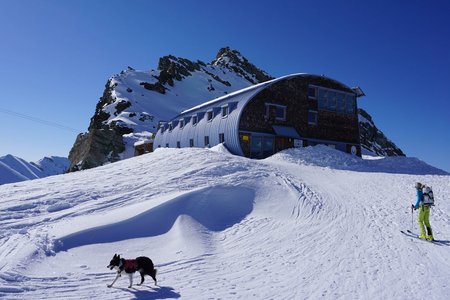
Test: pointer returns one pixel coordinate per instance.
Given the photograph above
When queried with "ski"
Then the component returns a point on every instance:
(415, 235)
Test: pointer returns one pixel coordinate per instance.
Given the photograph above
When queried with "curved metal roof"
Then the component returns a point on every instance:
(206, 132)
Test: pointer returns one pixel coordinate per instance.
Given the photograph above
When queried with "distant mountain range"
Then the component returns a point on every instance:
(15, 169)
(135, 101)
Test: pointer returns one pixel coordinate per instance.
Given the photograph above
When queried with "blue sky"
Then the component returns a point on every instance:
(56, 56)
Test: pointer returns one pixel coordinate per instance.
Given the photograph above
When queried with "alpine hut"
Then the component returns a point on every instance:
(292, 111)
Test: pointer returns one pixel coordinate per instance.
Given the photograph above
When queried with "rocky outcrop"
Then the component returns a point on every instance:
(94, 148)
(176, 68)
(373, 139)
(103, 142)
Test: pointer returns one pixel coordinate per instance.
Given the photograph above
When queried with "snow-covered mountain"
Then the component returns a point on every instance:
(15, 169)
(303, 224)
(135, 101)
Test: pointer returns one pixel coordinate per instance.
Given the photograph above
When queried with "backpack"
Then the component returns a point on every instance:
(428, 198)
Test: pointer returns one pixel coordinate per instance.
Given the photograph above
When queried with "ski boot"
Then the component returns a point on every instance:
(429, 236)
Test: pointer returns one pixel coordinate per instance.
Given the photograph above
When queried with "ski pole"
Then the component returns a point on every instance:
(412, 217)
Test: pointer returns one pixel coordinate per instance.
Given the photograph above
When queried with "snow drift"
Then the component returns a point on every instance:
(307, 223)
(216, 208)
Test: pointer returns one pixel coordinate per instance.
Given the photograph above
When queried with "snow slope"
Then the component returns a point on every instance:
(14, 169)
(303, 224)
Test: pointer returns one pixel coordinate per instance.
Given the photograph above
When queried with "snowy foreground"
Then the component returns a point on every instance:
(303, 224)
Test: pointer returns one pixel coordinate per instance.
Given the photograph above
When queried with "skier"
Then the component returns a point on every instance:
(423, 217)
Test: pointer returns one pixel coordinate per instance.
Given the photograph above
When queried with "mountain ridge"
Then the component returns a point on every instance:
(15, 169)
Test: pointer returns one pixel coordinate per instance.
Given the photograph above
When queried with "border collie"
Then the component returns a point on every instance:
(142, 264)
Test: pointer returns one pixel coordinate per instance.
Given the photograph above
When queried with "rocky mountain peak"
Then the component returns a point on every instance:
(226, 55)
(233, 60)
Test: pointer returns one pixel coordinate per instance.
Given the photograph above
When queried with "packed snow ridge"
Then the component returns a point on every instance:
(303, 224)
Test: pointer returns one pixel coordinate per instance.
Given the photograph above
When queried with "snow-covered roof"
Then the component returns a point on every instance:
(142, 142)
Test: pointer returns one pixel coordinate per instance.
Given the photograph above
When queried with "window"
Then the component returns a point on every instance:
(278, 112)
(312, 92)
(178, 145)
(261, 146)
(170, 126)
(312, 117)
(209, 115)
(350, 100)
(191, 143)
(206, 141)
(221, 138)
(194, 120)
(323, 99)
(332, 100)
(167, 145)
(162, 126)
(340, 103)
(181, 123)
(336, 101)
(225, 111)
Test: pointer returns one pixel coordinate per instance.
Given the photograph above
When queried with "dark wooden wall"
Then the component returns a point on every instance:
(293, 93)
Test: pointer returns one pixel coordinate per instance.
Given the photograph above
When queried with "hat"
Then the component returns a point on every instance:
(418, 185)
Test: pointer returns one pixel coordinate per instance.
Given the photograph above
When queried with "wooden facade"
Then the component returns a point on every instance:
(339, 130)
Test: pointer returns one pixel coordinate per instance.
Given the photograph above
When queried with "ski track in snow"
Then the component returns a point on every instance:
(301, 231)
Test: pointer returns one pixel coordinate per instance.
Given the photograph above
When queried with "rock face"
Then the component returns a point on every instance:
(103, 142)
(373, 140)
(134, 101)
(95, 148)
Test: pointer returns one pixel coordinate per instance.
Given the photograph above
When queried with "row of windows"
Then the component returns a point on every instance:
(327, 99)
(224, 112)
(332, 100)
(280, 113)
(205, 141)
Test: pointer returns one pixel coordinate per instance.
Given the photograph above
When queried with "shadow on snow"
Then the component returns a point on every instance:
(216, 208)
(159, 292)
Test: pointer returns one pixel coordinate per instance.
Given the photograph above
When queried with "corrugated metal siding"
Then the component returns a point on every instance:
(227, 125)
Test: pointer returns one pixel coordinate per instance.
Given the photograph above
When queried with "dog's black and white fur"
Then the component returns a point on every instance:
(142, 264)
